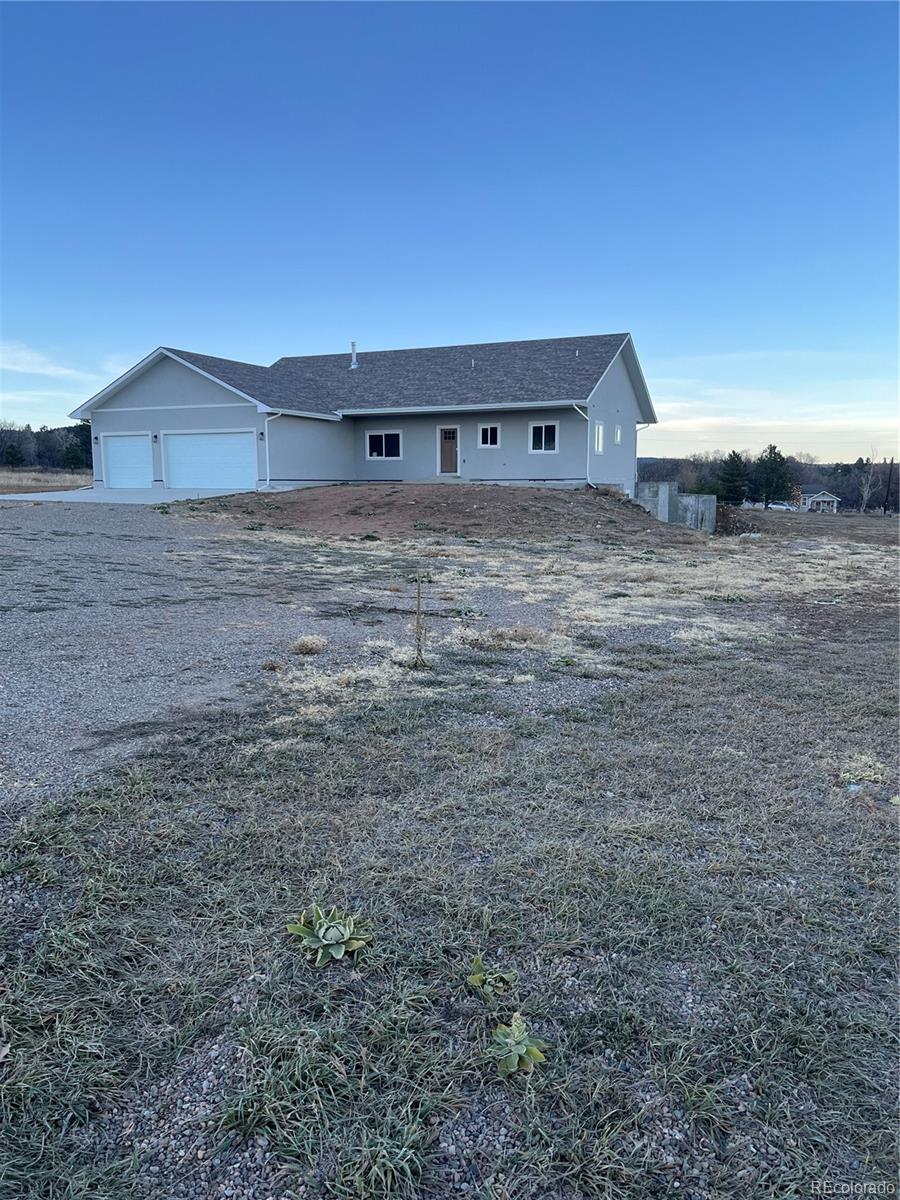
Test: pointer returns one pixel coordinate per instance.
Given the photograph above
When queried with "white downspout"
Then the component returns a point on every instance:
(274, 417)
(587, 438)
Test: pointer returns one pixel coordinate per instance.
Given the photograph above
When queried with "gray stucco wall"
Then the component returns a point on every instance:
(168, 398)
(613, 402)
(508, 462)
(302, 448)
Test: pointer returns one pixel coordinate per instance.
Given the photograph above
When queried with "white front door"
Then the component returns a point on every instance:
(127, 460)
(210, 460)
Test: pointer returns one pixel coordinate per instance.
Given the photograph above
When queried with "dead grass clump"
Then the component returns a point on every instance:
(513, 637)
(310, 643)
(864, 768)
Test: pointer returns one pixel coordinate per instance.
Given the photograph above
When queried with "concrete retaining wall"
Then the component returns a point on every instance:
(666, 503)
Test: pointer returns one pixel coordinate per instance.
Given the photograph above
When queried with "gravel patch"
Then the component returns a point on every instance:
(121, 623)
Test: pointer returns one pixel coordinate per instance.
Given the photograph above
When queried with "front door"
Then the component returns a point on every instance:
(449, 450)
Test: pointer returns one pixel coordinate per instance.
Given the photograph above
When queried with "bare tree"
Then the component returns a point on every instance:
(867, 482)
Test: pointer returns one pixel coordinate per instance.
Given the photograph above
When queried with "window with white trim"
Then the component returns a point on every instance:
(489, 436)
(618, 438)
(384, 445)
(598, 437)
(543, 437)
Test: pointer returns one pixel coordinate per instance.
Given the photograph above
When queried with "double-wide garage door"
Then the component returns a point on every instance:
(189, 460)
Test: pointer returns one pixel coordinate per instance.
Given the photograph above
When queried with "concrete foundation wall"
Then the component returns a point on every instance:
(666, 503)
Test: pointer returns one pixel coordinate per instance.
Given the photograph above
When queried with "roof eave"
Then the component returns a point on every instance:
(448, 408)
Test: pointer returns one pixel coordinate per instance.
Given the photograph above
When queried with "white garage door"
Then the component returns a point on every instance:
(127, 461)
(210, 460)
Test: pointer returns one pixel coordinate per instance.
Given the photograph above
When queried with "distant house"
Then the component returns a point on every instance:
(561, 411)
(819, 502)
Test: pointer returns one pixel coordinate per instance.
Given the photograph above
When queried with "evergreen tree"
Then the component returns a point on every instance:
(772, 478)
(734, 478)
(73, 457)
(13, 456)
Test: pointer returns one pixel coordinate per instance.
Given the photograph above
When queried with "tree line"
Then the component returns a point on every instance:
(65, 448)
(772, 476)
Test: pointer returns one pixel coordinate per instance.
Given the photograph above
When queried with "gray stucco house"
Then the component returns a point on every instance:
(556, 411)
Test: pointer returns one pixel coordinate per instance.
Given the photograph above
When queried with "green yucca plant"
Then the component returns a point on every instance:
(490, 982)
(328, 936)
(514, 1049)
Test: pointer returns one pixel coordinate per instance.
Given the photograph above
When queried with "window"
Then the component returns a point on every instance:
(488, 436)
(544, 438)
(618, 435)
(598, 437)
(384, 445)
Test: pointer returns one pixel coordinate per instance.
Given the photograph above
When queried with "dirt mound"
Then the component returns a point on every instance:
(482, 511)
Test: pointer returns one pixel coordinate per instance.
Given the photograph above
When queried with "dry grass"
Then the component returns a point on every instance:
(308, 644)
(14, 480)
(671, 815)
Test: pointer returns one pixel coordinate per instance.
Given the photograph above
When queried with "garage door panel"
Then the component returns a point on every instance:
(128, 461)
(210, 460)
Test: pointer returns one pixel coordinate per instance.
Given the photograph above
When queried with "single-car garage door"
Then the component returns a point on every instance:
(210, 460)
(127, 460)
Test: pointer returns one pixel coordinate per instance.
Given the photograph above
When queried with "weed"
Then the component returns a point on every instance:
(328, 937)
(513, 1048)
(490, 982)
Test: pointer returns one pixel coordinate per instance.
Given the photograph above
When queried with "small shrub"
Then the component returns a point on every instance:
(310, 643)
(490, 982)
(514, 1049)
(466, 611)
(327, 937)
(270, 665)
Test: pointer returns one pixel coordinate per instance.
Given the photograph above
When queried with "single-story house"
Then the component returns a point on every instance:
(556, 411)
(819, 502)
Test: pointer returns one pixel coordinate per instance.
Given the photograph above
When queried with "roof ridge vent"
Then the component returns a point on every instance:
(353, 362)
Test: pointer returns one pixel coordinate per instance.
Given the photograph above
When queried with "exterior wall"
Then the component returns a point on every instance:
(613, 401)
(303, 449)
(171, 398)
(509, 462)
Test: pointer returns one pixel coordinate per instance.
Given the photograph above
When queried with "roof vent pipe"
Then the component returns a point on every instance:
(353, 356)
(473, 364)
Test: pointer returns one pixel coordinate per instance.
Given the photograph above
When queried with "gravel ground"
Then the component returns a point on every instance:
(119, 623)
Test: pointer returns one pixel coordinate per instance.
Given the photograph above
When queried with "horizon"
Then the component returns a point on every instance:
(424, 175)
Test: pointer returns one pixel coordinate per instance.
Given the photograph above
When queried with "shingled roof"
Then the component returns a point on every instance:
(486, 374)
(483, 375)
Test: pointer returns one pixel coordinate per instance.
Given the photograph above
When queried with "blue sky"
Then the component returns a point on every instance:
(254, 180)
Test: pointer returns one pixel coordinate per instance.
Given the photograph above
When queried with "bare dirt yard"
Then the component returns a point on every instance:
(649, 775)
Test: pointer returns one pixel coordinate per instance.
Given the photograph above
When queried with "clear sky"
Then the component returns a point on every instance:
(255, 180)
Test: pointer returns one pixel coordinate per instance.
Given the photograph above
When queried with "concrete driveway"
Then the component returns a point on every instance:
(91, 495)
